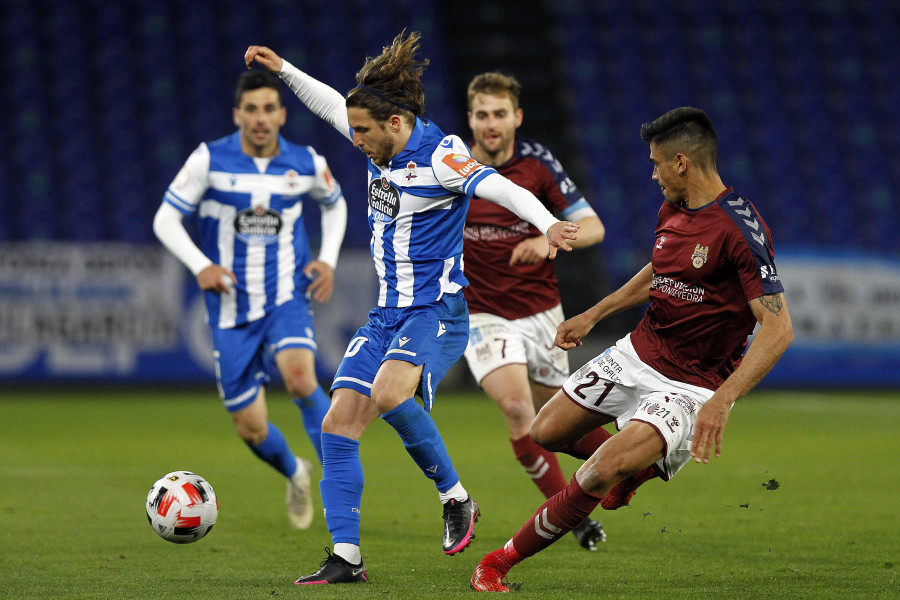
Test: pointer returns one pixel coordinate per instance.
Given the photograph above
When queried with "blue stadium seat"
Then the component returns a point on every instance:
(109, 98)
(804, 94)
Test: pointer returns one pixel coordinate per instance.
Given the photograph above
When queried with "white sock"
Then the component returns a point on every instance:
(349, 552)
(301, 471)
(457, 492)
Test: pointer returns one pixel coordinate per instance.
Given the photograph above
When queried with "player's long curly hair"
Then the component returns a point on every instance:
(390, 83)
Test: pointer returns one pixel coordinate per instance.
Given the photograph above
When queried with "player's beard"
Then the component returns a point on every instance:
(383, 153)
(497, 146)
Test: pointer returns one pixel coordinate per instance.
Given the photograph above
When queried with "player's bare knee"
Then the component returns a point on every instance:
(516, 407)
(252, 433)
(386, 404)
(344, 423)
(603, 470)
(544, 435)
(599, 474)
(300, 383)
(333, 423)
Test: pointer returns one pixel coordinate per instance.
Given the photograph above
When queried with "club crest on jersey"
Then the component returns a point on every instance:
(464, 165)
(410, 173)
(700, 256)
(384, 199)
(257, 225)
(292, 180)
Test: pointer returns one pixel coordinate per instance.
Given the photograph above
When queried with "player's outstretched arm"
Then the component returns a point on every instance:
(324, 101)
(500, 190)
(559, 235)
(774, 336)
(570, 332)
(634, 293)
(263, 56)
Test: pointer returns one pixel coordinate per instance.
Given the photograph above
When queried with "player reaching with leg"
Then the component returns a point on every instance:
(670, 384)
(419, 184)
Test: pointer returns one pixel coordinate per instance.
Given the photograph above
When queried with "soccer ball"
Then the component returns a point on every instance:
(182, 507)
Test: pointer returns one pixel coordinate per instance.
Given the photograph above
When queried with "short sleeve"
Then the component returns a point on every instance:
(749, 246)
(564, 197)
(753, 260)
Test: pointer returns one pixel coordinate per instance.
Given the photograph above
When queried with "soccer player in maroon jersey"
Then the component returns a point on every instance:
(513, 297)
(671, 383)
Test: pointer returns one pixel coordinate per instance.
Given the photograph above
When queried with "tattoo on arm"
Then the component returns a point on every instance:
(773, 302)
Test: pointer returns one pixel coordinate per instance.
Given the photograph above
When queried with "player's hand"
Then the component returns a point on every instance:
(530, 251)
(570, 332)
(323, 280)
(708, 429)
(559, 235)
(263, 56)
(216, 278)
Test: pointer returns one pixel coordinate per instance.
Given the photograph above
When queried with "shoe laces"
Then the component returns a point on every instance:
(329, 557)
(454, 512)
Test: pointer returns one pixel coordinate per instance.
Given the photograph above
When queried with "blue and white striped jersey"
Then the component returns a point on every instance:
(417, 212)
(250, 220)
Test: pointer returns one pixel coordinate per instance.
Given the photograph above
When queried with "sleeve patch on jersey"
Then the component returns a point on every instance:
(744, 215)
(462, 164)
(751, 226)
(182, 179)
(329, 179)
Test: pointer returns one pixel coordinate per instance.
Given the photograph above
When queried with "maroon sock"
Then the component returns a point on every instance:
(540, 464)
(555, 518)
(587, 445)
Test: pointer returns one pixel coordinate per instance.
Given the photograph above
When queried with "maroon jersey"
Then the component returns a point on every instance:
(491, 233)
(708, 264)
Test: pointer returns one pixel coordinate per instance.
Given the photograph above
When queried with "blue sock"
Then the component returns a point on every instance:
(275, 451)
(313, 409)
(423, 442)
(341, 487)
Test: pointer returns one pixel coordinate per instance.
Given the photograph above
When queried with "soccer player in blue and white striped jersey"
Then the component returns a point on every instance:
(420, 182)
(246, 192)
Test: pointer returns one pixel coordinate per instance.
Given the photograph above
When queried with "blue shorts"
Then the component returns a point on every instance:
(434, 335)
(245, 354)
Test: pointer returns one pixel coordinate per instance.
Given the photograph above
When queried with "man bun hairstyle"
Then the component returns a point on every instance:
(495, 83)
(253, 80)
(684, 129)
(391, 83)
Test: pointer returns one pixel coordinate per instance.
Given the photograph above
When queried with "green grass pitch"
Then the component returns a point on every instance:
(75, 468)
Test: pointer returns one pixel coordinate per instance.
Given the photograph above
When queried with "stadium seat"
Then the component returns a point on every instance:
(108, 99)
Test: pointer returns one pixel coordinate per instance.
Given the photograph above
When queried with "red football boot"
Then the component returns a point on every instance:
(623, 491)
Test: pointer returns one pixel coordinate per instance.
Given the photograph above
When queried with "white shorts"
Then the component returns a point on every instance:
(495, 342)
(618, 384)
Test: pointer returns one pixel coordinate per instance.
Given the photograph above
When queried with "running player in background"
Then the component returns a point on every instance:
(419, 185)
(513, 296)
(671, 383)
(247, 191)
